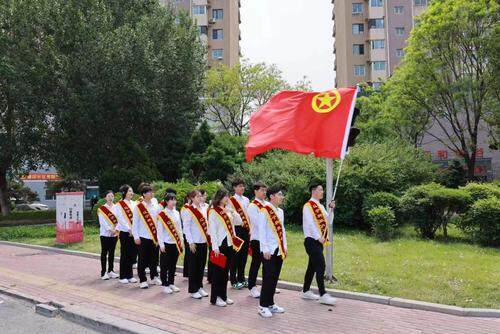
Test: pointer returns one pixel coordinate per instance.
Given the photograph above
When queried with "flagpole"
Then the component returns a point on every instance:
(330, 195)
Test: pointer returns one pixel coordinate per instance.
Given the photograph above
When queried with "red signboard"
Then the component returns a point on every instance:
(41, 177)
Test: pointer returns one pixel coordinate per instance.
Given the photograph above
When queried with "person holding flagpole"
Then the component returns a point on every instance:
(170, 241)
(315, 227)
(239, 205)
(273, 246)
(144, 230)
(107, 232)
(128, 249)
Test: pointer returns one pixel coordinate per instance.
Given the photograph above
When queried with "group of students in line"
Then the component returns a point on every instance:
(225, 232)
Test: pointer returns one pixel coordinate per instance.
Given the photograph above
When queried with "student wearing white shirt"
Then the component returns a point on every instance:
(128, 249)
(315, 226)
(205, 207)
(221, 231)
(195, 227)
(107, 234)
(170, 241)
(255, 213)
(239, 205)
(187, 252)
(144, 230)
(273, 246)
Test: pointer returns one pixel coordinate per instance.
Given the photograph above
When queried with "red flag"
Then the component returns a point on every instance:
(303, 122)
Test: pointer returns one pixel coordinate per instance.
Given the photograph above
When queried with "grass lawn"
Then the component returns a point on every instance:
(454, 272)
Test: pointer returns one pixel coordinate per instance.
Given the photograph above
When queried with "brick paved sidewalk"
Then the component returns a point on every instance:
(75, 280)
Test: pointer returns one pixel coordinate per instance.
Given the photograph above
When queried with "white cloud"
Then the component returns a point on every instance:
(296, 35)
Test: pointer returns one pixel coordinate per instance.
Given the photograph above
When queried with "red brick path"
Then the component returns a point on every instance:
(73, 279)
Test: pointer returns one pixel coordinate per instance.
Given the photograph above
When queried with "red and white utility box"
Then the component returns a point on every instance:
(69, 217)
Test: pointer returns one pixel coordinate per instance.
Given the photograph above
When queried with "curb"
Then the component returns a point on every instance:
(365, 297)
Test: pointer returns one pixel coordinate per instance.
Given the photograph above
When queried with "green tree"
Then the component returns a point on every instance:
(224, 155)
(447, 72)
(193, 164)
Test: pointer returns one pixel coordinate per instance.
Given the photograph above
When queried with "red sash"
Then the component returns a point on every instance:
(278, 229)
(170, 227)
(237, 241)
(200, 219)
(108, 215)
(258, 203)
(320, 219)
(148, 220)
(241, 212)
(128, 212)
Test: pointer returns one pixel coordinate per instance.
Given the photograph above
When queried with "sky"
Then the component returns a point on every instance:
(296, 35)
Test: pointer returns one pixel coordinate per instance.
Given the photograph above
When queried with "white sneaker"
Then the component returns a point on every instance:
(156, 281)
(147, 270)
(134, 266)
(196, 295)
(144, 285)
(277, 291)
(265, 312)
(309, 295)
(254, 292)
(124, 281)
(327, 299)
(167, 290)
(276, 309)
(174, 288)
(105, 277)
(229, 301)
(220, 302)
(112, 274)
(202, 292)
(133, 280)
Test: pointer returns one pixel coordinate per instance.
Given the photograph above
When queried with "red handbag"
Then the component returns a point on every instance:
(219, 260)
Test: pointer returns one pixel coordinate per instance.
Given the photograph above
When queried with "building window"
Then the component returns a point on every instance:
(400, 31)
(217, 34)
(378, 66)
(203, 30)
(359, 70)
(398, 9)
(198, 10)
(377, 44)
(376, 3)
(217, 14)
(400, 53)
(376, 85)
(420, 2)
(358, 28)
(358, 49)
(357, 8)
(376, 23)
(217, 54)
(442, 154)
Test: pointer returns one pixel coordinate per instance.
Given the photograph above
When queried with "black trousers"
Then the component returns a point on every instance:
(316, 265)
(187, 251)
(210, 266)
(270, 274)
(255, 264)
(239, 260)
(108, 245)
(127, 253)
(168, 262)
(147, 250)
(196, 266)
(156, 257)
(220, 275)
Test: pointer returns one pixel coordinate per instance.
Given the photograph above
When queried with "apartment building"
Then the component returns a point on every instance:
(218, 22)
(370, 36)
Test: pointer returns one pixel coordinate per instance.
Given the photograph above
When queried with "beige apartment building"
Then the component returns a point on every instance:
(219, 24)
(370, 36)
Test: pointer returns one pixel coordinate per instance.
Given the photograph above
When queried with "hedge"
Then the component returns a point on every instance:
(482, 221)
(382, 221)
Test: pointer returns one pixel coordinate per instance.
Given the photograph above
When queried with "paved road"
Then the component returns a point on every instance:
(18, 317)
(75, 280)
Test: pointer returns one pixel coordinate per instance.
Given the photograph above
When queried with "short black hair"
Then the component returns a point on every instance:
(202, 192)
(170, 191)
(236, 182)
(145, 188)
(259, 184)
(218, 196)
(124, 189)
(169, 197)
(108, 192)
(313, 185)
(273, 190)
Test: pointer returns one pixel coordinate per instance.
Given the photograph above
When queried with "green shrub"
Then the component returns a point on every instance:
(482, 221)
(431, 206)
(382, 221)
(479, 191)
(380, 199)
(37, 215)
